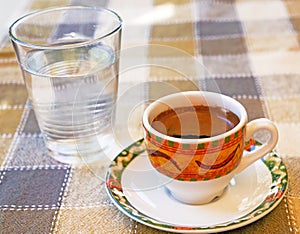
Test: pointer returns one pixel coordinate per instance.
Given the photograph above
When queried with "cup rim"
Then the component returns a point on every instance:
(147, 126)
(53, 9)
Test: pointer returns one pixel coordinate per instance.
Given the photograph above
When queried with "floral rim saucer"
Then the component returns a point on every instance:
(143, 203)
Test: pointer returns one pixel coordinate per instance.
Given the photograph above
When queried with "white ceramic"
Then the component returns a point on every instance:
(203, 190)
(131, 185)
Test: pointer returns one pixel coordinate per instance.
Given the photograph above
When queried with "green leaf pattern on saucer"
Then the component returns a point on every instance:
(114, 188)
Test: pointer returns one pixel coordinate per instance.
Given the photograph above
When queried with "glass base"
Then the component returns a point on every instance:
(81, 150)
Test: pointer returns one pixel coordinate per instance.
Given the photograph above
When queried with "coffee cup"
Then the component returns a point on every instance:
(196, 142)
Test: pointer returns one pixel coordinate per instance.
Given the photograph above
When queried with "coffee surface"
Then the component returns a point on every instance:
(194, 122)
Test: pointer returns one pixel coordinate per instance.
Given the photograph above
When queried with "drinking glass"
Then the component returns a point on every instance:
(69, 57)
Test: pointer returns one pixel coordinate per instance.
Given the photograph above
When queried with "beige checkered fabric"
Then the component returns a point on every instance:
(247, 49)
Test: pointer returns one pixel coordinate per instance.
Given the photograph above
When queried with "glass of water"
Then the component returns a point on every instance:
(69, 57)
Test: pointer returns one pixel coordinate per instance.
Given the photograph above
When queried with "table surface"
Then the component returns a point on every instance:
(250, 50)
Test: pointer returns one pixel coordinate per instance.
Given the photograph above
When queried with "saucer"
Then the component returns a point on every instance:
(134, 187)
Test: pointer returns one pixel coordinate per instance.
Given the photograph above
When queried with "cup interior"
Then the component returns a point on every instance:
(189, 99)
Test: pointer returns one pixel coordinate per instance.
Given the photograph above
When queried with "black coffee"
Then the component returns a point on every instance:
(195, 122)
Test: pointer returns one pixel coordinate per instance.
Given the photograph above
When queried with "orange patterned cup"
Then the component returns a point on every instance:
(199, 155)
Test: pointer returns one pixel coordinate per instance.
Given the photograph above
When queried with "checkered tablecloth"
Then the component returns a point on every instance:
(251, 52)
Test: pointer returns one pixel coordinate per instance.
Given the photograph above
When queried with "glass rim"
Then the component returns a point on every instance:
(14, 38)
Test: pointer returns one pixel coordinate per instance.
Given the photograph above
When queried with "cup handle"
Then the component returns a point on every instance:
(252, 127)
